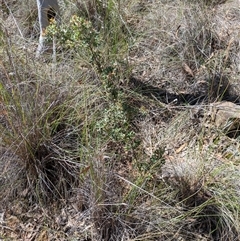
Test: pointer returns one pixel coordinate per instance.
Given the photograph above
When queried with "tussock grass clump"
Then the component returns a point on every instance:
(205, 57)
(190, 182)
(208, 216)
(182, 50)
(40, 130)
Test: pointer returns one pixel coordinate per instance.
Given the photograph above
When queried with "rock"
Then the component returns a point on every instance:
(226, 117)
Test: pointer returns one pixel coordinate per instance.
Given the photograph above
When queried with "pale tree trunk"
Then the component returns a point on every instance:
(47, 9)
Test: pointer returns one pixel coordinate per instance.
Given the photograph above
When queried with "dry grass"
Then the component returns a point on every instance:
(110, 140)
